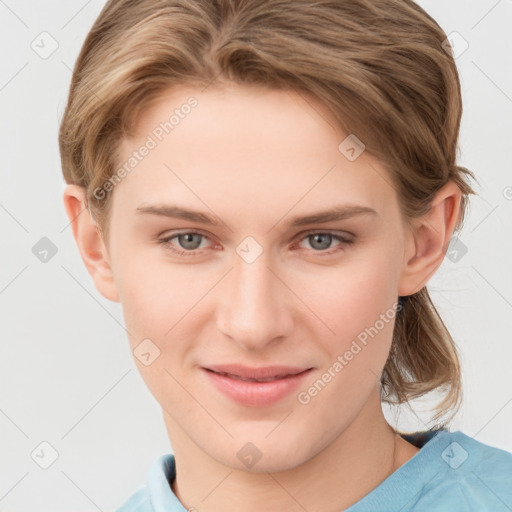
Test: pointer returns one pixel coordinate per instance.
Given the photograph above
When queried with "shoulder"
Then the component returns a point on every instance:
(157, 493)
(466, 455)
(139, 501)
(472, 475)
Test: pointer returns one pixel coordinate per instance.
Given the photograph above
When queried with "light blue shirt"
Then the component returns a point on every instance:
(452, 472)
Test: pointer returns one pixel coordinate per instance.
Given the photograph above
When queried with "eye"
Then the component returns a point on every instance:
(187, 243)
(320, 241)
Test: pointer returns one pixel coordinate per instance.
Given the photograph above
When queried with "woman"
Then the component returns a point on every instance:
(267, 187)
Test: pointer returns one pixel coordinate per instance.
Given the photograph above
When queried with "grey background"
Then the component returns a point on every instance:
(67, 375)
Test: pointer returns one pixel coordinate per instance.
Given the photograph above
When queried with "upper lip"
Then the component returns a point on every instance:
(248, 372)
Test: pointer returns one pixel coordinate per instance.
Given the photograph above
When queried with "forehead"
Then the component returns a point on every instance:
(249, 147)
(238, 120)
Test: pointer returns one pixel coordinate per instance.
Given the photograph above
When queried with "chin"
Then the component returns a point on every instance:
(262, 457)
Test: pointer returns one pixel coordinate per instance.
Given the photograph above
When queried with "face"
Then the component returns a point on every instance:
(252, 278)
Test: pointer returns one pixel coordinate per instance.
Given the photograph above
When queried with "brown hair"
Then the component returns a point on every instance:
(382, 68)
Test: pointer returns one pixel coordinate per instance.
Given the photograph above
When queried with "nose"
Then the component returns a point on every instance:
(255, 307)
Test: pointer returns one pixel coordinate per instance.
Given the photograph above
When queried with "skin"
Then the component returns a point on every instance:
(254, 158)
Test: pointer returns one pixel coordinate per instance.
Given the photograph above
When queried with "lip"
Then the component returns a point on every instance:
(263, 372)
(256, 394)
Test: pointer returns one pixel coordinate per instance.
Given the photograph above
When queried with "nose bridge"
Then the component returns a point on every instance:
(253, 311)
(252, 282)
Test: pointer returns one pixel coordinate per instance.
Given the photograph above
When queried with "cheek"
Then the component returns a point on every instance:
(352, 297)
(153, 292)
(358, 303)
(158, 312)
(164, 302)
(157, 295)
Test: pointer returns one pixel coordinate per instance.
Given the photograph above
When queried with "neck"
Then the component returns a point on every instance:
(342, 473)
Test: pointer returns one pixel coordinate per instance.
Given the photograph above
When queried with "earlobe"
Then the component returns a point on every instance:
(89, 241)
(429, 239)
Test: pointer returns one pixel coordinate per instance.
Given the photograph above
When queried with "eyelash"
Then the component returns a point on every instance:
(168, 245)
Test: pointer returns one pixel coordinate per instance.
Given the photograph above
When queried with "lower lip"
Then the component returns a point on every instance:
(256, 394)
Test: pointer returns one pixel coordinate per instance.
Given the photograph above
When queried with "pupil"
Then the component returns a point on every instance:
(189, 241)
(318, 237)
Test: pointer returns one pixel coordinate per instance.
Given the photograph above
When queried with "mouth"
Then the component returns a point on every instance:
(246, 379)
(262, 374)
(256, 387)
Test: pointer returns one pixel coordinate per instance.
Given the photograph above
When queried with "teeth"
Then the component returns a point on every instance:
(270, 379)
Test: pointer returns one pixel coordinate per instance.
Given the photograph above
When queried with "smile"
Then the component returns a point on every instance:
(257, 391)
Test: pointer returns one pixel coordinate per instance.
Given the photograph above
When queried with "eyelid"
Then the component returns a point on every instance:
(343, 237)
(336, 235)
(334, 232)
(194, 231)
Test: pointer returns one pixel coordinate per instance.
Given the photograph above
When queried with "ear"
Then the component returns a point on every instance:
(89, 241)
(428, 239)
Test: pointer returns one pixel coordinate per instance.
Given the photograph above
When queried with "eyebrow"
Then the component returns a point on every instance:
(337, 213)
